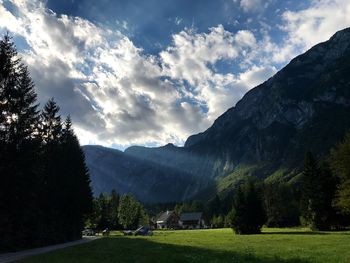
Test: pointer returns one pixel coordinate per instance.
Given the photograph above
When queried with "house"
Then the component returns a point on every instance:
(191, 220)
(168, 219)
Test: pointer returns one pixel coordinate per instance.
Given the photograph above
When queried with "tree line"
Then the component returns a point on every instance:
(45, 186)
(319, 198)
(116, 212)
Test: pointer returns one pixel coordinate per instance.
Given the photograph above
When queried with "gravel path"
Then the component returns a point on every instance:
(10, 257)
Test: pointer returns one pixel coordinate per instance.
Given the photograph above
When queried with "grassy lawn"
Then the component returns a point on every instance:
(215, 245)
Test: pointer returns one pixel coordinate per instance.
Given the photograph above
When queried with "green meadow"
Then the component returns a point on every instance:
(214, 245)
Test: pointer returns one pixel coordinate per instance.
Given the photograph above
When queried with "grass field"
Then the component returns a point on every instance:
(215, 245)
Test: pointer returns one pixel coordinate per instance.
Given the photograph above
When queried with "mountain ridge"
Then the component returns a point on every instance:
(304, 106)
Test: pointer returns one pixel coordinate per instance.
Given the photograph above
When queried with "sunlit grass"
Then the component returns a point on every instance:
(214, 245)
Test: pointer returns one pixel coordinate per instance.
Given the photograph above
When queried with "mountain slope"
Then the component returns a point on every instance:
(148, 181)
(305, 106)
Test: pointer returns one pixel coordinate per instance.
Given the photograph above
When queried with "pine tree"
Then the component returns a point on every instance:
(114, 205)
(101, 212)
(328, 216)
(51, 133)
(9, 64)
(51, 128)
(340, 165)
(44, 190)
(248, 212)
(281, 205)
(214, 207)
(76, 198)
(309, 190)
(68, 192)
(19, 152)
(318, 191)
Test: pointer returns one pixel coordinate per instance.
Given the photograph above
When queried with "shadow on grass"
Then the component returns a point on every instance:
(304, 233)
(124, 249)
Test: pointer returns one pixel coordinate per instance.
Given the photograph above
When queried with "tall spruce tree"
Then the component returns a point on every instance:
(114, 205)
(51, 128)
(75, 180)
(214, 207)
(281, 205)
(19, 151)
(309, 191)
(340, 165)
(103, 212)
(248, 214)
(44, 190)
(51, 133)
(329, 217)
(318, 190)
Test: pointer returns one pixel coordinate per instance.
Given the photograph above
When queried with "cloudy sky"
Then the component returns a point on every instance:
(156, 71)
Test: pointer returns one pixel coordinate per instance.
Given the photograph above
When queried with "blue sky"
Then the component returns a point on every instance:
(153, 72)
(150, 24)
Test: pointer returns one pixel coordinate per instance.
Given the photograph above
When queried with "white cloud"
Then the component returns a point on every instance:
(8, 20)
(300, 31)
(192, 58)
(257, 75)
(251, 5)
(310, 26)
(190, 53)
(117, 94)
(317, 23)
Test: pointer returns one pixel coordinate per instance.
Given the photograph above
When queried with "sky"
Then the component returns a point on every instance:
(136, 72)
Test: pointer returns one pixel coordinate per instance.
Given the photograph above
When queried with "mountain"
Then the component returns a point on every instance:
(148, 181)
(305, 106)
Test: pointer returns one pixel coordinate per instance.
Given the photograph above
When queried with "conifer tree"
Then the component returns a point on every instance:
(103, 212)
(51, 133)
(114, 205)
(281, 205)
(19, 149)
(75, 182)
(248, 215)
(340, 165)
(318, 191)
(51, 128)
(214, 207)
(309, 191)
(44, 190)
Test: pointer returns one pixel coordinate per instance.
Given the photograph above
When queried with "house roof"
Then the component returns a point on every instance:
(165, 216)
(191, 216)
